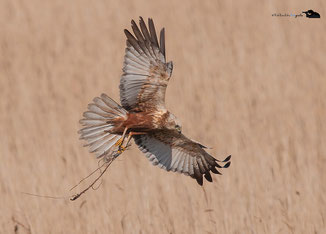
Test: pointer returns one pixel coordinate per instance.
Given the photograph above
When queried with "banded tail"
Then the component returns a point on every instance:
(97, 125)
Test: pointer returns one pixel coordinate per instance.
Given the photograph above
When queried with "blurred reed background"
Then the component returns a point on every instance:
(244, 82)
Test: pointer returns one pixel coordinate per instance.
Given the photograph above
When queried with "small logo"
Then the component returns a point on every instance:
(311, 14)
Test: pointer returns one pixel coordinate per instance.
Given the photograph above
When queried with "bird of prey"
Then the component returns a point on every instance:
(142, 115)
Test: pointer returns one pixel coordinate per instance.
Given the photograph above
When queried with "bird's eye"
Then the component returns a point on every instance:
(178, 128)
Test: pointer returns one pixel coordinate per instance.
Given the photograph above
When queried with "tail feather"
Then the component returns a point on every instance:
(93, 115)
(97, 123)
(94, 131)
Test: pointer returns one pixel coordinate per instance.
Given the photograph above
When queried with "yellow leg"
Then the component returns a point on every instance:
(120, 141)
(128, 139)
(124, 134)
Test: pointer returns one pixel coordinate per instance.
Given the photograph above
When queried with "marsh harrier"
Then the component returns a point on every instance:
(108, 126)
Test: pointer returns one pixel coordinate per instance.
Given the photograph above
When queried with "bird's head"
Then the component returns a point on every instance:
(173, 123)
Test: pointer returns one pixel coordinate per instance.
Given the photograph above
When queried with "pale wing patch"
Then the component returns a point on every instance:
(156, 151)
(174, 152)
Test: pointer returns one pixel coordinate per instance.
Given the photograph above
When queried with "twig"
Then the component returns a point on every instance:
(99, 168)
(45, 196)
(76, 196)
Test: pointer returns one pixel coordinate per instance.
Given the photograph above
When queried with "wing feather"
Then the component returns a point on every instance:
(173, 151)
(136, 57)
(186, 165)
(135, 64)
(136, 31)
(175, 161)
(200, 165)
(191, 166)
(181, 163)
(153, 32)
(162, 42)
(144, 29)
(198, 176)
(144, 61)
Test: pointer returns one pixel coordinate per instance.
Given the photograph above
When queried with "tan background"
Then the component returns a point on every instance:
(244, 83)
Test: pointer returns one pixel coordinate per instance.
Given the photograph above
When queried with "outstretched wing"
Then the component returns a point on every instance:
(173, 151)
(145, 71)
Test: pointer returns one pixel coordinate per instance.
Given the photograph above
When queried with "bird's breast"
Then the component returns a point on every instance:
(146, 120)
(140, 120)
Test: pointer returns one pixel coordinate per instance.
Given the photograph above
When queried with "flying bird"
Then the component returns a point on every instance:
(142, 115)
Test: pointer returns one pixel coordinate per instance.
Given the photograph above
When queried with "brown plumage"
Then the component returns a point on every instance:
(142, 114)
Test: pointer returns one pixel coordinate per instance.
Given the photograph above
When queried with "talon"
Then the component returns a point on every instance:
(121, 149)
(119, 143)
